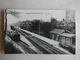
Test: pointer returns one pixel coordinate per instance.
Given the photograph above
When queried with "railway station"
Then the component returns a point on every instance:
(40, 32)
(36, 43)
(56, 33)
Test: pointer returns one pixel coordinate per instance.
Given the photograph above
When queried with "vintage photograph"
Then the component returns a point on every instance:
(40, 31)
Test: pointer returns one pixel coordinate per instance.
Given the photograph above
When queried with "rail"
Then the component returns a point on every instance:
(34, 38)
(21, 46)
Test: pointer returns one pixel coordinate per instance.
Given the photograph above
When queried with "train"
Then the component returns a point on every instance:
(14, 34)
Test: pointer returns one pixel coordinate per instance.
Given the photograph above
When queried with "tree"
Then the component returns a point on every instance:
(27, 25)
(45, 27)
(53, 23)
(70, 27)
(36, 26)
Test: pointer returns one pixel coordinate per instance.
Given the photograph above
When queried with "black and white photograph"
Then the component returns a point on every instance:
(40, 31)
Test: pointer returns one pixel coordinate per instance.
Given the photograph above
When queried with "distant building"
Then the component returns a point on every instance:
(67, 39)
(56, 33)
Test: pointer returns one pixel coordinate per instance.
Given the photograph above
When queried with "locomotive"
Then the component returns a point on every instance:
(14, 35)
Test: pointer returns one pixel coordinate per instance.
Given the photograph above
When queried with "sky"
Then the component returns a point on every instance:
(44, 15)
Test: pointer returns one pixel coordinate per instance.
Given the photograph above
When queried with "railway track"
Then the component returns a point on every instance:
(26, 47)
(43, 46)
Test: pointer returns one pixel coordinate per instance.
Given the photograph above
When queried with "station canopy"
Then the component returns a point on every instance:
(57, 31)
(67, 35)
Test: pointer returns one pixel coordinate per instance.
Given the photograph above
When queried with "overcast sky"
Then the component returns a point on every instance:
(44, 15)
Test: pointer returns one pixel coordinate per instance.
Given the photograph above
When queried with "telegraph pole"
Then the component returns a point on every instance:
(39, 27)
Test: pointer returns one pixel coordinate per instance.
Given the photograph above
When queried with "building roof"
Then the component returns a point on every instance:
(67, 35)
(57, 31)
